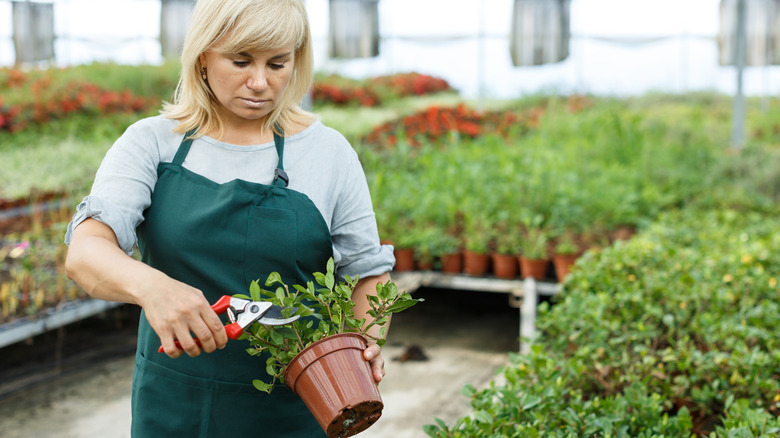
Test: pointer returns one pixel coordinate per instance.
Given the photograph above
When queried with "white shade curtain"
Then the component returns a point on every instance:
(540, 32)
(762, 18)
(354, 29)
(33, 34)
(174, 19)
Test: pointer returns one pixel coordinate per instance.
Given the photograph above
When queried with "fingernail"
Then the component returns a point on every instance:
(369, 354)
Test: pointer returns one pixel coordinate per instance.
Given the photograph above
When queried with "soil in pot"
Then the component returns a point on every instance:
(335, 383)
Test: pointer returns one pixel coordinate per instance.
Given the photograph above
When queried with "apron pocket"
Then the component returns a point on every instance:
(167, 403)
(271, 244)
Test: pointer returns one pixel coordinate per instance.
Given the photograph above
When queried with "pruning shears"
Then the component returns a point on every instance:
(242, 313)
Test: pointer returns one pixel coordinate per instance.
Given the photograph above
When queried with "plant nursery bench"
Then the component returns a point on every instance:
(53, 318)
(523, 294)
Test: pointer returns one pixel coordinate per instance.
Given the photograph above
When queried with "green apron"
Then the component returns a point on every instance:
(219, 238)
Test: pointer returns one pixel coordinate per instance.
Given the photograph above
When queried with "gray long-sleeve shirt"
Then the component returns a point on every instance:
(319, 161)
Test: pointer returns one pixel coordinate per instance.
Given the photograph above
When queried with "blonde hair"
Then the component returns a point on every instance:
(237, 26)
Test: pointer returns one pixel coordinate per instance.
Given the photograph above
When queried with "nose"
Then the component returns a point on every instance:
(257, 80)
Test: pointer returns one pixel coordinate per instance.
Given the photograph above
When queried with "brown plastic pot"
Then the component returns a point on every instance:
(335, 383)
(563, 264)
(504, 266)
(475, 263)
(452, 263)
(404, 259)
(533, 268)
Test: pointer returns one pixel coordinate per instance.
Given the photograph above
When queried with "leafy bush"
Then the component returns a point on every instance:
(657, 336)
(588, 166)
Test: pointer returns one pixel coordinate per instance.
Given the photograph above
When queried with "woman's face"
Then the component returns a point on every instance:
(248, 85)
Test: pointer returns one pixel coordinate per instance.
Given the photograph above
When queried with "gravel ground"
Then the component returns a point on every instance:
(466, 337)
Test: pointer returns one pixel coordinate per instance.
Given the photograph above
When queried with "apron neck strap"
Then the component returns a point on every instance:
(280, 176)
(184, 147)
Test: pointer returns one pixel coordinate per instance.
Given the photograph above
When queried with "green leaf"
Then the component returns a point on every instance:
(276, 337)
(287, 333)
(273, 278)
(441, 423)
(530, 402)
(254, 291)
(320, 277)
(483, 417)
(401, 305)
(262, 386)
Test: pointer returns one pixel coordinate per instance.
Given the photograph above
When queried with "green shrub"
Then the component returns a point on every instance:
(683, 318)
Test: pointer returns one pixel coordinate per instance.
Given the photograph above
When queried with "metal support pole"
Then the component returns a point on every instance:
(528, 315)
(738, 112)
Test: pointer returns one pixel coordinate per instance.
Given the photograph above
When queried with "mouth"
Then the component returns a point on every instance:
(254, 103)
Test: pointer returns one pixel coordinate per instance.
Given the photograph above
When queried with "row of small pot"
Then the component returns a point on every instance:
(504, 266)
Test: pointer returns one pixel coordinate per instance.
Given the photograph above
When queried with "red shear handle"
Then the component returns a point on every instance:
(221, 305)
(233, 331)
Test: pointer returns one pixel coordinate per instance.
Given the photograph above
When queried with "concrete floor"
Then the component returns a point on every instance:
(465, 335)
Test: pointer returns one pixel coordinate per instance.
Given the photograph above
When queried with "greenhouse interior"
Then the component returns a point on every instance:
(572, 201)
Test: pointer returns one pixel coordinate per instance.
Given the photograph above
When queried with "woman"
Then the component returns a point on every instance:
(231, 182)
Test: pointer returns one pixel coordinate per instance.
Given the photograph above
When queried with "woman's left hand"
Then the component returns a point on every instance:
(373, 354)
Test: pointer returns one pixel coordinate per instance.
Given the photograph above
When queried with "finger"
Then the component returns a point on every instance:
(216, 329)
(206, 338)
(187, 342)
(378, 367)
(371, 351)
(378, 371)
(169, 347)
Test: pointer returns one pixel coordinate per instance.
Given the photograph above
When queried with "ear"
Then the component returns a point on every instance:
(202, 60)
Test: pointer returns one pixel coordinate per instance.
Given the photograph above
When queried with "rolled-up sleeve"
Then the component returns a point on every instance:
(107, 213)
(123, 186)
(357, 250)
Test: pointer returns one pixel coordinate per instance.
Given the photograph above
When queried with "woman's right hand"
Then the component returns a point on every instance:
(174, 309)
(178, 311)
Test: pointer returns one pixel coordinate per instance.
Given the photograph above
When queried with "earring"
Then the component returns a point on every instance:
(204, 73)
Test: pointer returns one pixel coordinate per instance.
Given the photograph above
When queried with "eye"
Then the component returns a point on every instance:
(239, 63)
(276, 66)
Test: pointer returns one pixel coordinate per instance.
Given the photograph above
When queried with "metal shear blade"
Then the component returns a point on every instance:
(258, 311)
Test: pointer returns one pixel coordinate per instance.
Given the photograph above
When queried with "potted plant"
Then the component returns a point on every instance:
(404, 242)
(404, 251)
(430, 243)
(566, 253)
(476, 243)
(326, 334)
(534, 256)
(449, 253)
(507, 244)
